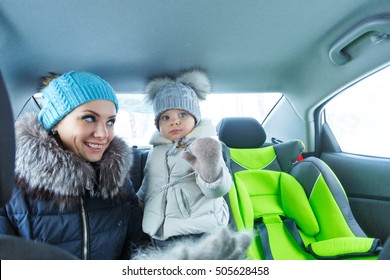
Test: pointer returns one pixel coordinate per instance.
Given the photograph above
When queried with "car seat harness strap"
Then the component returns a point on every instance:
(264, 239)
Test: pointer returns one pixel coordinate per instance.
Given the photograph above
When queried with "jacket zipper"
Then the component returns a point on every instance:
(85, 230)
(168, 169)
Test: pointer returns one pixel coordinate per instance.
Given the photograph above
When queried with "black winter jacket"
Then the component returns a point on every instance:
(89, 210)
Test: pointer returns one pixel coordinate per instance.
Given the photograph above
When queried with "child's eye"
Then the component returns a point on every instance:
(182, 115)
(111, 122)
(165, 118)
(89, 118)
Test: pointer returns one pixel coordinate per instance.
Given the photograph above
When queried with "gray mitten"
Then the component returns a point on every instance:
(204, 155)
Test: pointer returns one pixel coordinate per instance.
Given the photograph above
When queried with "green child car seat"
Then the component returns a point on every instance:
(298, 209)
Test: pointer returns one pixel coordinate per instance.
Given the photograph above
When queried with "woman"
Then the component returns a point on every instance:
(72, 186)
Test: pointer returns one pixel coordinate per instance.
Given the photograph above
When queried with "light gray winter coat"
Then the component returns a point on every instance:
(177, 201)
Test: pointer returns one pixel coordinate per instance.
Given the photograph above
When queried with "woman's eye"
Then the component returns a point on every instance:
(89, 118)
(111, 122)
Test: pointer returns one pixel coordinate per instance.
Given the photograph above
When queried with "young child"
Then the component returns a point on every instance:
(185, 174)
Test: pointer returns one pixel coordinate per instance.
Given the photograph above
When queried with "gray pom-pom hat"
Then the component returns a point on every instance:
(181, 92)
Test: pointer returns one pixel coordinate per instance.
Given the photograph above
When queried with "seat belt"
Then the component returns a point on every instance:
(264, 239)
(291, 225)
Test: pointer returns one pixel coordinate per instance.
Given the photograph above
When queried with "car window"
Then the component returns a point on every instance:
(359, 116)
(135, 120)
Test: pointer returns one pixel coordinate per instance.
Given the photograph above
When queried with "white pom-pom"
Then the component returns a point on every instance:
(197, 80)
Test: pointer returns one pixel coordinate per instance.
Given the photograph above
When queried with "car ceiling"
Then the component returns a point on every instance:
(245, 46)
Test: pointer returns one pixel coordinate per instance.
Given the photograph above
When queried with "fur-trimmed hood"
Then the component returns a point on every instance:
(45, 170)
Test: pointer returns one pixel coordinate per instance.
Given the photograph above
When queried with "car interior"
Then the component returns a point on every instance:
(312, 53)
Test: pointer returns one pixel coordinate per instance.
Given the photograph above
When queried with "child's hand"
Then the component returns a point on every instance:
(204, 156)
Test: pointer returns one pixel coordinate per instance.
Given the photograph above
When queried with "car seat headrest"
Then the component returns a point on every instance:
(241, 132)
(7, 145)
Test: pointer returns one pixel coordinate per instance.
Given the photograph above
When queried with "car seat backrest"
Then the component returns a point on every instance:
(137, 169)
(12, 247)
(7, 145)
(267, 198)
(298, 207)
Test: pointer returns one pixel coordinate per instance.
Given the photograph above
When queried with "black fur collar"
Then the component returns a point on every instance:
(44, 169)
